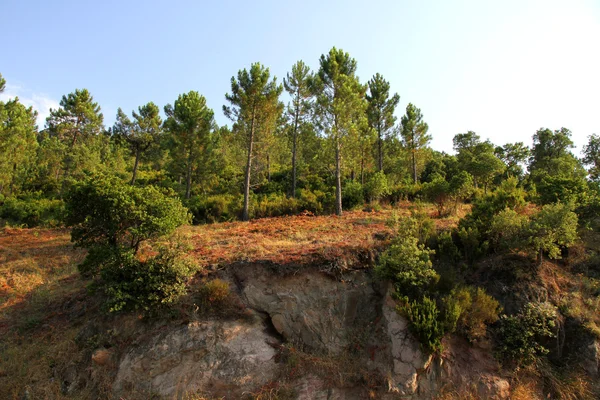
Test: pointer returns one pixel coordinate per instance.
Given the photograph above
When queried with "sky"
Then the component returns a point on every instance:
(503, 69)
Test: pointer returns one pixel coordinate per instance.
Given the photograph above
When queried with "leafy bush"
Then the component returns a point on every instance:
(520, 336)
(446, 248)
(377, 187)
(408, 265)
(469, 310)
(553, 227)
(311, 201)
(508, 230)
(274, 205)
(423, 315)
(217, 208)
(145, 286)
(33, 211)
(352, 195)
(106, 211)
(473, 246)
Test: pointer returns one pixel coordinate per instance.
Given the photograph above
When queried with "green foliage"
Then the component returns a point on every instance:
(376, 187)
(553, 227)
(521, 336)
(407, 264)
(508, 230)
(32, 210)
(473, 246)
(469, 310)
(423, 315)
(437, 191)
(216, 208)
(447, 250)
(352, 195)
(145, 286)
(18, 146)
(105, 211)
(414, 136)
(380, 112)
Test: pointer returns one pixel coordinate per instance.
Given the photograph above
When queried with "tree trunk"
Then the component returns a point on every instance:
(362, 169)
(294, 143)
(245, 213)
(268, 168)
(414, 165)
(380, 149)
(188, 176)
(338, 177)
(135, 165)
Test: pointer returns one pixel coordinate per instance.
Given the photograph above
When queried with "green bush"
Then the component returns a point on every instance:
(273, 205)
(217, 208)
(311, 201)
(109, 212)
(352, 195)
(145, 286)
(377, 187)
(553, 227)
(508, 230)
(469, 310)
(33, 211)
(423, 316)
(520, 336)
(407, 263)
(447, 250)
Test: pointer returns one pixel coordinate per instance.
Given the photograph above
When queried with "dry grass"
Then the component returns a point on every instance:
(43, 300)
(300, 240)
(37, 277)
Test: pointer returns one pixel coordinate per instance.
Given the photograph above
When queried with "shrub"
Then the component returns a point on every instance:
(507, 230)
(469, 310)
(145, 286)
(273, 205)
(311, 201)
(423, 316)
(109, 212)
(352, 195)
(33, 211)
(377, 187)
(446, 248)
(217, 208)
(408, 265)
(473, 246)
(520, 336)
(555, 226)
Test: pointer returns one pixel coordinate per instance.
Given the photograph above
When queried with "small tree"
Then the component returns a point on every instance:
(555, 225)
(107, 216)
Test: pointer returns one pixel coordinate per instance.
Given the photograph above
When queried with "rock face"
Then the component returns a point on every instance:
(591, 361)
(313, 312)
(199, 355)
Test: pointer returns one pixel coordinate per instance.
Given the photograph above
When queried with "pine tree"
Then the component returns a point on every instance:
(140, 133)
(189, 123)
(298, 85)
(414, 135)
(255, 109)
(341, 107)
(381, 112)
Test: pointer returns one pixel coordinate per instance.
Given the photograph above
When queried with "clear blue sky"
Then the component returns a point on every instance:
(502, 68)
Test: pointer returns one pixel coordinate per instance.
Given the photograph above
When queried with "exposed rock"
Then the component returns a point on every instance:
(198, 355)
(493, 388)
(407, 358)
(313, 309)
(591, 359)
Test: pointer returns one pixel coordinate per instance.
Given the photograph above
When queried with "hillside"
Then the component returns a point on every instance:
(303, 286)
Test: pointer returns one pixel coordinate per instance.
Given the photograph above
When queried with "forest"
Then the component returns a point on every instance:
(468, 237)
